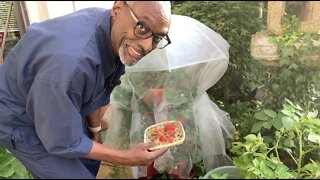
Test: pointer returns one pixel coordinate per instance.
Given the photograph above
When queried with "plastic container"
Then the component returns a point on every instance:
(232, 171)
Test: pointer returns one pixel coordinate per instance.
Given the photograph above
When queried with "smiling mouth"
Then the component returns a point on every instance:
(134, 53)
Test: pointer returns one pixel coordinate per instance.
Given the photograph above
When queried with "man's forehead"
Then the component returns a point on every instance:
(151, 7)
(152, 13)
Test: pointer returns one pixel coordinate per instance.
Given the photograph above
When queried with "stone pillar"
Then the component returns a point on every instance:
(265, 52)
(276, 10)
(262, 50)
(311, 22)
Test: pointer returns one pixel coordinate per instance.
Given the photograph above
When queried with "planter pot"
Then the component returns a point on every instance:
(232, 171)
(191, 175)
(152, 173)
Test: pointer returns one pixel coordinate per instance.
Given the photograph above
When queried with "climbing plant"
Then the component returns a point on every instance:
(235, 21)
(297, 76)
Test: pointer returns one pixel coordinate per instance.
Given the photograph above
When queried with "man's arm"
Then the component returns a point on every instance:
(134, 156)
(95, 121)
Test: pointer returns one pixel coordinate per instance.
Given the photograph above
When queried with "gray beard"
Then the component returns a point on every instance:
(125, 58)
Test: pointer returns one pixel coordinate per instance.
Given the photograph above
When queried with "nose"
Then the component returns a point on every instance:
(147, 44)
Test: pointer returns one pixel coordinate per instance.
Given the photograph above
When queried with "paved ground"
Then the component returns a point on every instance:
(108, 171)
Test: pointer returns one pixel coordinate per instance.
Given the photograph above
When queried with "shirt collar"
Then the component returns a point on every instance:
(109, 60)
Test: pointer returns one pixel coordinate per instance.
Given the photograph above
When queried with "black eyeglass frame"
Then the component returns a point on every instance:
(139, 23)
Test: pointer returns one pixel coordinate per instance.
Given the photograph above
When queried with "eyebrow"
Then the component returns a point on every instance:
(148, 27)
(144, 19)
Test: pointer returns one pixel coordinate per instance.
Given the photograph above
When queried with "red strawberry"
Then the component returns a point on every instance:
(170, 140)
(160, 134)
(163, 138)
(171, 132)
(154, 132)
(169, 127)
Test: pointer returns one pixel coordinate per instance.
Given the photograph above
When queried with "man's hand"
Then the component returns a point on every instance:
(137, 155)
(153, 96)
(140, 155)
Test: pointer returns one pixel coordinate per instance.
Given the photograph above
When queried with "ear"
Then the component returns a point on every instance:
(116, 8)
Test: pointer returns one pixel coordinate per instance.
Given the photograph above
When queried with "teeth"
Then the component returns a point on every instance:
(134, 51)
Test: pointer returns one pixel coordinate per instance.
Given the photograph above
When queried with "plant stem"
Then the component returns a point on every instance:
(270, 150)
(295, 161)
(300, 153)
(276, 146)
(306, 152)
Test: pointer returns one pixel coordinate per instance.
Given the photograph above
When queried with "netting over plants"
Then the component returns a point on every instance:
(170, 84)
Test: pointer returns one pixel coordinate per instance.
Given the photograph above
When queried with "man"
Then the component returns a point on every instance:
(56, 79)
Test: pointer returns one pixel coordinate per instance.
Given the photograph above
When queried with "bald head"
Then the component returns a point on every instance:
(164, 5)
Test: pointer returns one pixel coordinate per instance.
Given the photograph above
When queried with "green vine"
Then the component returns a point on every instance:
(297, 76)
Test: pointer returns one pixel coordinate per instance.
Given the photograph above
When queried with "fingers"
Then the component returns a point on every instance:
(150, 145)
(153, 144)
(158, 152)
(155, 153)
(143, 156)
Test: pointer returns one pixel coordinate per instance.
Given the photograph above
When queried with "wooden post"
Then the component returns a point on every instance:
(21, 16)
(5, 33)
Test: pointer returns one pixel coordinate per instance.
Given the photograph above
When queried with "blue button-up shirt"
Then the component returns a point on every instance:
(57, 74)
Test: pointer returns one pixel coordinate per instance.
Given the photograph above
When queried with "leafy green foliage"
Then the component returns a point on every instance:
(252, 158)
(297, 77)
(241, 113)
(286, 156)
(236, 21)
(287, 143)
(214, 175)
(10, 167)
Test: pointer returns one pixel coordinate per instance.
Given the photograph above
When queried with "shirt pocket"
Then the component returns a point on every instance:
(25, 140)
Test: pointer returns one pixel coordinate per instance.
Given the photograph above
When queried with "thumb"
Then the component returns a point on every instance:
(151, 146)
(152, 143)
(158, 152)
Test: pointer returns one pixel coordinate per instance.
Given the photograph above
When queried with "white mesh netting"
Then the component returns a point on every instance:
(171, 84)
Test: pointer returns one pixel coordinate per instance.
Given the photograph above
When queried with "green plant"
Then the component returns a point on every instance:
(297, 76)
(241, 113)
(253, 159)
(10, 167)
(214, 175)
(296, 136)
(227, 19)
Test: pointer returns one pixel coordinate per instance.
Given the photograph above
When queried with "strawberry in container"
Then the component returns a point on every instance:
(168, 133)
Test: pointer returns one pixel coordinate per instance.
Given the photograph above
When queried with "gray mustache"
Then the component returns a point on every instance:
(136, 47)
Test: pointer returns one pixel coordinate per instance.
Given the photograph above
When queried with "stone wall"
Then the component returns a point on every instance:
(265, 52)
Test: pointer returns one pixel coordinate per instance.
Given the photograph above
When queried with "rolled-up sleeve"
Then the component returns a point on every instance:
(55, 109)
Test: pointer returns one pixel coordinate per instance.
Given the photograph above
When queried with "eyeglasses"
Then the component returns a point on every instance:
(142, 32)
